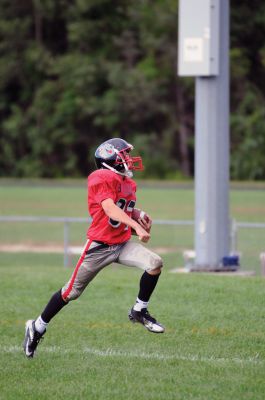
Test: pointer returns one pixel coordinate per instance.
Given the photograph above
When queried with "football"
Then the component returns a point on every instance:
(137, 213)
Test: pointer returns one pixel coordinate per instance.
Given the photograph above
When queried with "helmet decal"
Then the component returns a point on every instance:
(106, 150)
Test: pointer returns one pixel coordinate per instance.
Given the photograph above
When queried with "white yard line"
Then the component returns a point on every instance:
(142, 355)
(164, 357)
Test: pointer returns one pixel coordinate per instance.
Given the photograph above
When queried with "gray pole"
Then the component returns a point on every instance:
(212, 158)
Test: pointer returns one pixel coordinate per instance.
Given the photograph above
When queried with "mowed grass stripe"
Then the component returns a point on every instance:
(161, 203)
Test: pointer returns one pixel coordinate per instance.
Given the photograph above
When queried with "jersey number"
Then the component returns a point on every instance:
(125, 206)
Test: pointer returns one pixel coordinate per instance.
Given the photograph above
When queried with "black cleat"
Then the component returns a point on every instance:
(32, 338)
(144, 318)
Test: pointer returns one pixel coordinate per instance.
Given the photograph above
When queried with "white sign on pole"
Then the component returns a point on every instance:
(193, 50)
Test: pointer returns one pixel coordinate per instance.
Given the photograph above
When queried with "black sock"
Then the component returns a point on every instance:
(147, 285)
(55, 304)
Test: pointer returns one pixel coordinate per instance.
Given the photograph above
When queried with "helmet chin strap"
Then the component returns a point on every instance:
(127, 173)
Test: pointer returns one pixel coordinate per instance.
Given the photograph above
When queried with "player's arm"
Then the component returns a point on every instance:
(117, 214)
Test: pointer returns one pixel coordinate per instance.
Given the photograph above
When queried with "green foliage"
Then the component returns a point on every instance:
(247, 90)
(155, 151)
(247, 127)
(73, 74)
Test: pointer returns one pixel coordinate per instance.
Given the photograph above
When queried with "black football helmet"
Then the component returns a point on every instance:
(114, 154)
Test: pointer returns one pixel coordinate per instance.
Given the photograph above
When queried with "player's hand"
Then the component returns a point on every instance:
(145, 222)
(142, 234)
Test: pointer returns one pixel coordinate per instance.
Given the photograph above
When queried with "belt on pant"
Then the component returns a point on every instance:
(101, 245)
(99, 242)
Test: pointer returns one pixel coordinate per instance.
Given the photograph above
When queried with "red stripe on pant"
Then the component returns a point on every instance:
(79, 263)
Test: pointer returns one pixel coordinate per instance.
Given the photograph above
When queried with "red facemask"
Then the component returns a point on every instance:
(133, 163)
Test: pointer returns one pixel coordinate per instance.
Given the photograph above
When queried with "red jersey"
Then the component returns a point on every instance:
(105, 184)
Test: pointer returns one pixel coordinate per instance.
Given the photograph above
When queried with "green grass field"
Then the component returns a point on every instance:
(213, 347)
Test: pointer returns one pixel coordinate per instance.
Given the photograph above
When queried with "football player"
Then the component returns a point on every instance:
(111, 199)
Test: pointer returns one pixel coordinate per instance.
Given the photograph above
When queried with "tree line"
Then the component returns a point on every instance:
(75, 73)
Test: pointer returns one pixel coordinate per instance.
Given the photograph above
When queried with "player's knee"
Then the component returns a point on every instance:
(156, 265)
(159, 263)
(73, 295)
